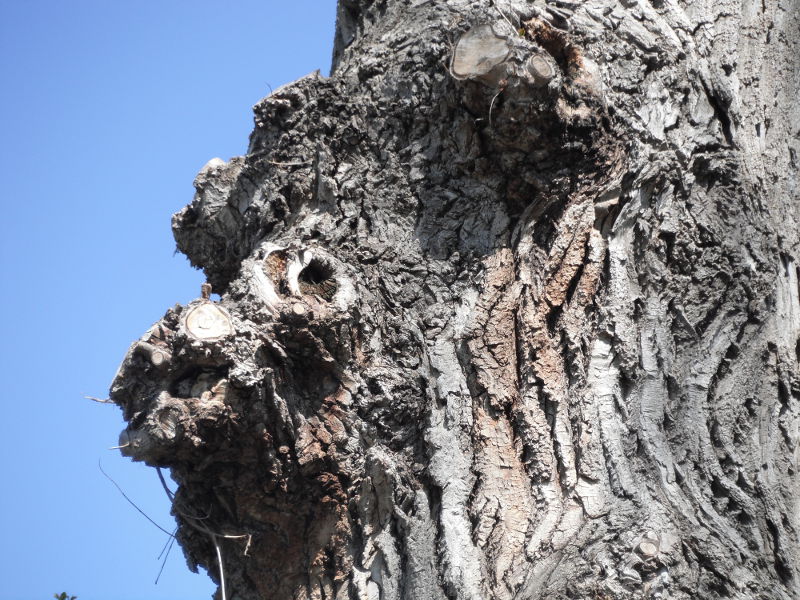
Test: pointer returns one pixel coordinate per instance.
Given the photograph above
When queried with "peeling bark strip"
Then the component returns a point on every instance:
(509, 310)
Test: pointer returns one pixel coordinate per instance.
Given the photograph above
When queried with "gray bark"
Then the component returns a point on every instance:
(509, 309)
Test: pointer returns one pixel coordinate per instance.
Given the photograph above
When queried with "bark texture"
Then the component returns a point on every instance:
(509, 309)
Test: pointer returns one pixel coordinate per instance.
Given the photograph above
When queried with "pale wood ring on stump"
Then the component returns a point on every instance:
(208, 321)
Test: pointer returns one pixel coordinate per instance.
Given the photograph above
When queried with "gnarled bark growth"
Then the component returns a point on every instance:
(509, 309)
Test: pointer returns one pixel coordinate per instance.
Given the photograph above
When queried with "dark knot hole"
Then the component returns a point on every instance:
(317, 278)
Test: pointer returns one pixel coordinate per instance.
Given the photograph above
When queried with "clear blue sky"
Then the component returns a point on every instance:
(107, 111)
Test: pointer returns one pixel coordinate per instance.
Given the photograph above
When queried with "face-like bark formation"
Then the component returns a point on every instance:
(509, 309)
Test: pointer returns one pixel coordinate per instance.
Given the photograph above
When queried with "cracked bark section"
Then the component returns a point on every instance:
(509, 308)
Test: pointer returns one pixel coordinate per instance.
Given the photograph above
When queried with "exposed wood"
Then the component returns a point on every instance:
(478, 52)
(207, 321)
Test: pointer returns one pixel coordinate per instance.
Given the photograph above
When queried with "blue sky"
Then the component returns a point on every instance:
(107, 112)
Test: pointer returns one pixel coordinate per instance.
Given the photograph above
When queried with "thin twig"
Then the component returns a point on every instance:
(172, 499)
(206, 530)
(491, 105)
(166, 550)
(132, 503)
(166, 546)
(502, 14)
(190, 517)
(170, 495)
(100, 400)
(221, 570)
(190, 520)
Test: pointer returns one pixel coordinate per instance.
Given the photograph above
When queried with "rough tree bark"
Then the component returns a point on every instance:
(509, 309)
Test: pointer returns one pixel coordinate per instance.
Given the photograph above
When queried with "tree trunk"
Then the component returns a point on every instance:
(509, 309)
